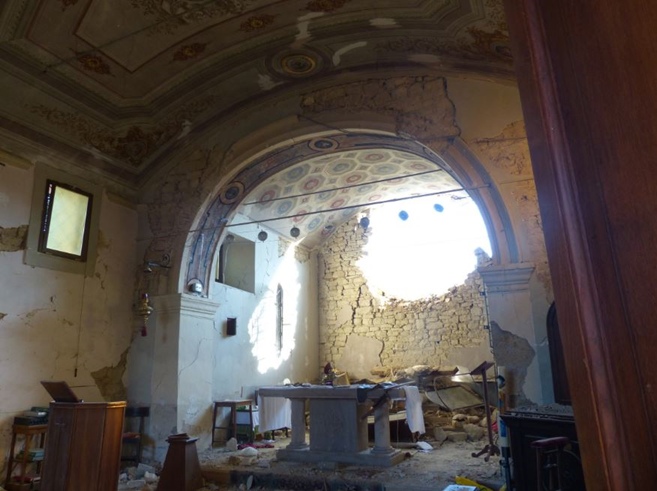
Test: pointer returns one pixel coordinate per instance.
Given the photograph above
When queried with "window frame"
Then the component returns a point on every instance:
(46, 218)
(227, 264)
(36, 253)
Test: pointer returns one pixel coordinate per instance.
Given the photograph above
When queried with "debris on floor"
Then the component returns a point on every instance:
(421, 469)
(140, 478)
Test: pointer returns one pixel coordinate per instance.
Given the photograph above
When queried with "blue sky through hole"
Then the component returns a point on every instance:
(422, 247)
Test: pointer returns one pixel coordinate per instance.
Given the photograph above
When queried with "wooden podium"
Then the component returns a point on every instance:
(83, 446)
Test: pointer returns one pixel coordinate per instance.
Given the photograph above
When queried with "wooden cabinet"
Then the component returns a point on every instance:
(524, 428)
(83, 447)
(25, 457)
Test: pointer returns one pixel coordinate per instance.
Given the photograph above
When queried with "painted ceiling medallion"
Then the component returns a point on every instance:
(136, 145)
(323, 144)
(325, 5)
(231, 193)
(93, 63)
(189, 51)
(256, 22)
(298, 65)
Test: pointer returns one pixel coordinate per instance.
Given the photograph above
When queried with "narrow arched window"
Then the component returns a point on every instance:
(279, 318)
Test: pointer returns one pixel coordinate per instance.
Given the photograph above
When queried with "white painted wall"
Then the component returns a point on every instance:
(52, 322)
(249, 359)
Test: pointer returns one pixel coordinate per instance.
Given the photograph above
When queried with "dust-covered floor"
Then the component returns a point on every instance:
(420, 471)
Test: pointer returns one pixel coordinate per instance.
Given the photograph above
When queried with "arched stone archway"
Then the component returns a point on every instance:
(411, 114)
(457, 161)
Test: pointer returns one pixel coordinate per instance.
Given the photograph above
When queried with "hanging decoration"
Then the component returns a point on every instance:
(144, 311)
(144, 308)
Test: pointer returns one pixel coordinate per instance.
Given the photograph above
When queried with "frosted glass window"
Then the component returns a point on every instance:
(65, 221)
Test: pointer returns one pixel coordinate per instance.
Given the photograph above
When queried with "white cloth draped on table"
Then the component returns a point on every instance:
(414, 414)
(242, 418)
(275, 413)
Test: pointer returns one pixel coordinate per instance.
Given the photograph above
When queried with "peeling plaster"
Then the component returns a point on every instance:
(186, 128)
(103, 243)
(304, 24)
(508, 155)
(516, 354)
(419, 106)
(13, 239)
(265, 82)
(109, 379)
(345, 49)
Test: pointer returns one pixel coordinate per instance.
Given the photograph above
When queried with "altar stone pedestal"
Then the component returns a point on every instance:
(338, 424)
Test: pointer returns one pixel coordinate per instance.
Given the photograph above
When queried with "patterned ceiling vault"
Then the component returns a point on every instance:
(321, 193)
(123, 80)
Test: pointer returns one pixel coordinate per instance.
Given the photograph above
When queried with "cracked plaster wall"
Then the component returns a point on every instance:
(46, 315)
(516, 354)
(192, 359)
(250, 358)
(445, 330)
(433, 110)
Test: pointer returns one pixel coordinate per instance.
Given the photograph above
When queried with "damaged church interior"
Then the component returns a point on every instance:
(324, 233)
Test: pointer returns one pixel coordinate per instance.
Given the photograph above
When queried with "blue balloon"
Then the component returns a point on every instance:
(438, 207)
(403, 215)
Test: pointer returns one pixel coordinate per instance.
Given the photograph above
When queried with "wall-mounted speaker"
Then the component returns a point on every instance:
(231, 326)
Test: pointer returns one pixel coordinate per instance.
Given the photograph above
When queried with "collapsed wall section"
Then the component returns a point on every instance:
(442, 331)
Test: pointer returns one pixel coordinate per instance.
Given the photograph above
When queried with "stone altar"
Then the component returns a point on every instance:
(338, 423)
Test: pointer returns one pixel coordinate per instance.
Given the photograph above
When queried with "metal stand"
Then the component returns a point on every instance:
(490, 449)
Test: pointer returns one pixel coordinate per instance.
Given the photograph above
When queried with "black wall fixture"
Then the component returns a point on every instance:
(231, 326)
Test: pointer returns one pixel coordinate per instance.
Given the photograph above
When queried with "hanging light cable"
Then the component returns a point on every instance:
(340, 188)
(351, 207)
(224, 221)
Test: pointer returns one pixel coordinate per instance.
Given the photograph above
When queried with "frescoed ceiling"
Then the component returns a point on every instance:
(117, 83)
(318, 195)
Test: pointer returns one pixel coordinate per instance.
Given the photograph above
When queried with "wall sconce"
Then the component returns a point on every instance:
(144, 310)
(295, 232)
(262, 235)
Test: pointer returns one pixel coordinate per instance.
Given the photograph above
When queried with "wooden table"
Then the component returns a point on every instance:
(232, 404)
(338, 423)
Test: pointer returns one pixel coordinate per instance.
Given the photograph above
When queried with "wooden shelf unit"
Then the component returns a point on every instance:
(23, 473)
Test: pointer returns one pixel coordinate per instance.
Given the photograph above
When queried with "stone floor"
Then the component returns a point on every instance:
(431, 470)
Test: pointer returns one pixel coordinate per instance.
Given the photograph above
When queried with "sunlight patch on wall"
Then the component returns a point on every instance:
(422, 247)
(262, 328)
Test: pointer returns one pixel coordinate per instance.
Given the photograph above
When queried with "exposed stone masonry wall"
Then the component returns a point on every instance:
(413, 333)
